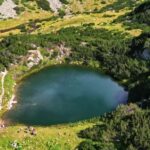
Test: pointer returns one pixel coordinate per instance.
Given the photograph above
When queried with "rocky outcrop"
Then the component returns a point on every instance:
(55, 5)
(34, 57)
(7, 9)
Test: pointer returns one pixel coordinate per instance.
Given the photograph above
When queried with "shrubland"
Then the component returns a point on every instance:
(109, 48)
(126, 128)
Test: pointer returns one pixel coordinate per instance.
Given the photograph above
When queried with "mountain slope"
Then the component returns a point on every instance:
(110, 36)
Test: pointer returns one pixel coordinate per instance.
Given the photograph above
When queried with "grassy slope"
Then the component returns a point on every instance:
(102, 19)
(61, 137)
(57, 137)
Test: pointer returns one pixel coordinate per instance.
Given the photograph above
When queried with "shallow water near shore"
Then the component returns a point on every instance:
(64, 94)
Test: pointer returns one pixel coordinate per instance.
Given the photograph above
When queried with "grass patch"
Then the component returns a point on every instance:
(60, 137)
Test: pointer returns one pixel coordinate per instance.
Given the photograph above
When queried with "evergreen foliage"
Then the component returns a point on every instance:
(126, 128)
(43, 4)
(87, 44)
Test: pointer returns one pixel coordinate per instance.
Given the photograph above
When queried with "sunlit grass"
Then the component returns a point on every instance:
(96, 18)
(62, 136)
(24, 18)
(101, 20)
(88, 5)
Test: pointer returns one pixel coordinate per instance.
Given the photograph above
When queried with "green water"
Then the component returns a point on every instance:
(62, 94)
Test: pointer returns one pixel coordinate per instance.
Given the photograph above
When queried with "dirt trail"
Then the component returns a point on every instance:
(3, 89)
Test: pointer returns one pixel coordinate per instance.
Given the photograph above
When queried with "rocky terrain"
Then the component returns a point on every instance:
(55, 5)
(7, 9)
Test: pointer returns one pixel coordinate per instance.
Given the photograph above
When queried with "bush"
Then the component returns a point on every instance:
(126, 128)
(43, 4)
(86, 145)
(140, 89)
(64, 1)
(141, 14)
(19, 10)
(1, 1)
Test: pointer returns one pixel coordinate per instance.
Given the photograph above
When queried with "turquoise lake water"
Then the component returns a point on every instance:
(62, 94)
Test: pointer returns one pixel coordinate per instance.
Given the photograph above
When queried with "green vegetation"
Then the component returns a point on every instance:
(138, 18)
(16, 2)
(126, 128)
(9, 90)
(139, 44)
(64, 1)
(61, 13)
(19, 10)
(1, 1)
(142, 96)
(59, 137)
(43, 4)
(119, 5)
(101, 39)
(142, 13)
(87, 44)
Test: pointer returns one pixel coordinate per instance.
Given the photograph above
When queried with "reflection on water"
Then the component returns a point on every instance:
(62, 94)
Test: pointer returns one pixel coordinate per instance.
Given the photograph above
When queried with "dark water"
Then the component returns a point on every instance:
(62, 94)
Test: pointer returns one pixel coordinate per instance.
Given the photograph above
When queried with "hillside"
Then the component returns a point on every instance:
(110, 36)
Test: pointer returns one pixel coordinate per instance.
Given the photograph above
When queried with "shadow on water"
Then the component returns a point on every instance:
(64, 94)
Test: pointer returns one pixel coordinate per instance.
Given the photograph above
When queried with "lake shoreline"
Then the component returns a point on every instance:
(50, 82)
(39, 67)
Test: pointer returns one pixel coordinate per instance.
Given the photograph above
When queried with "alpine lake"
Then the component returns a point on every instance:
(65, 94)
